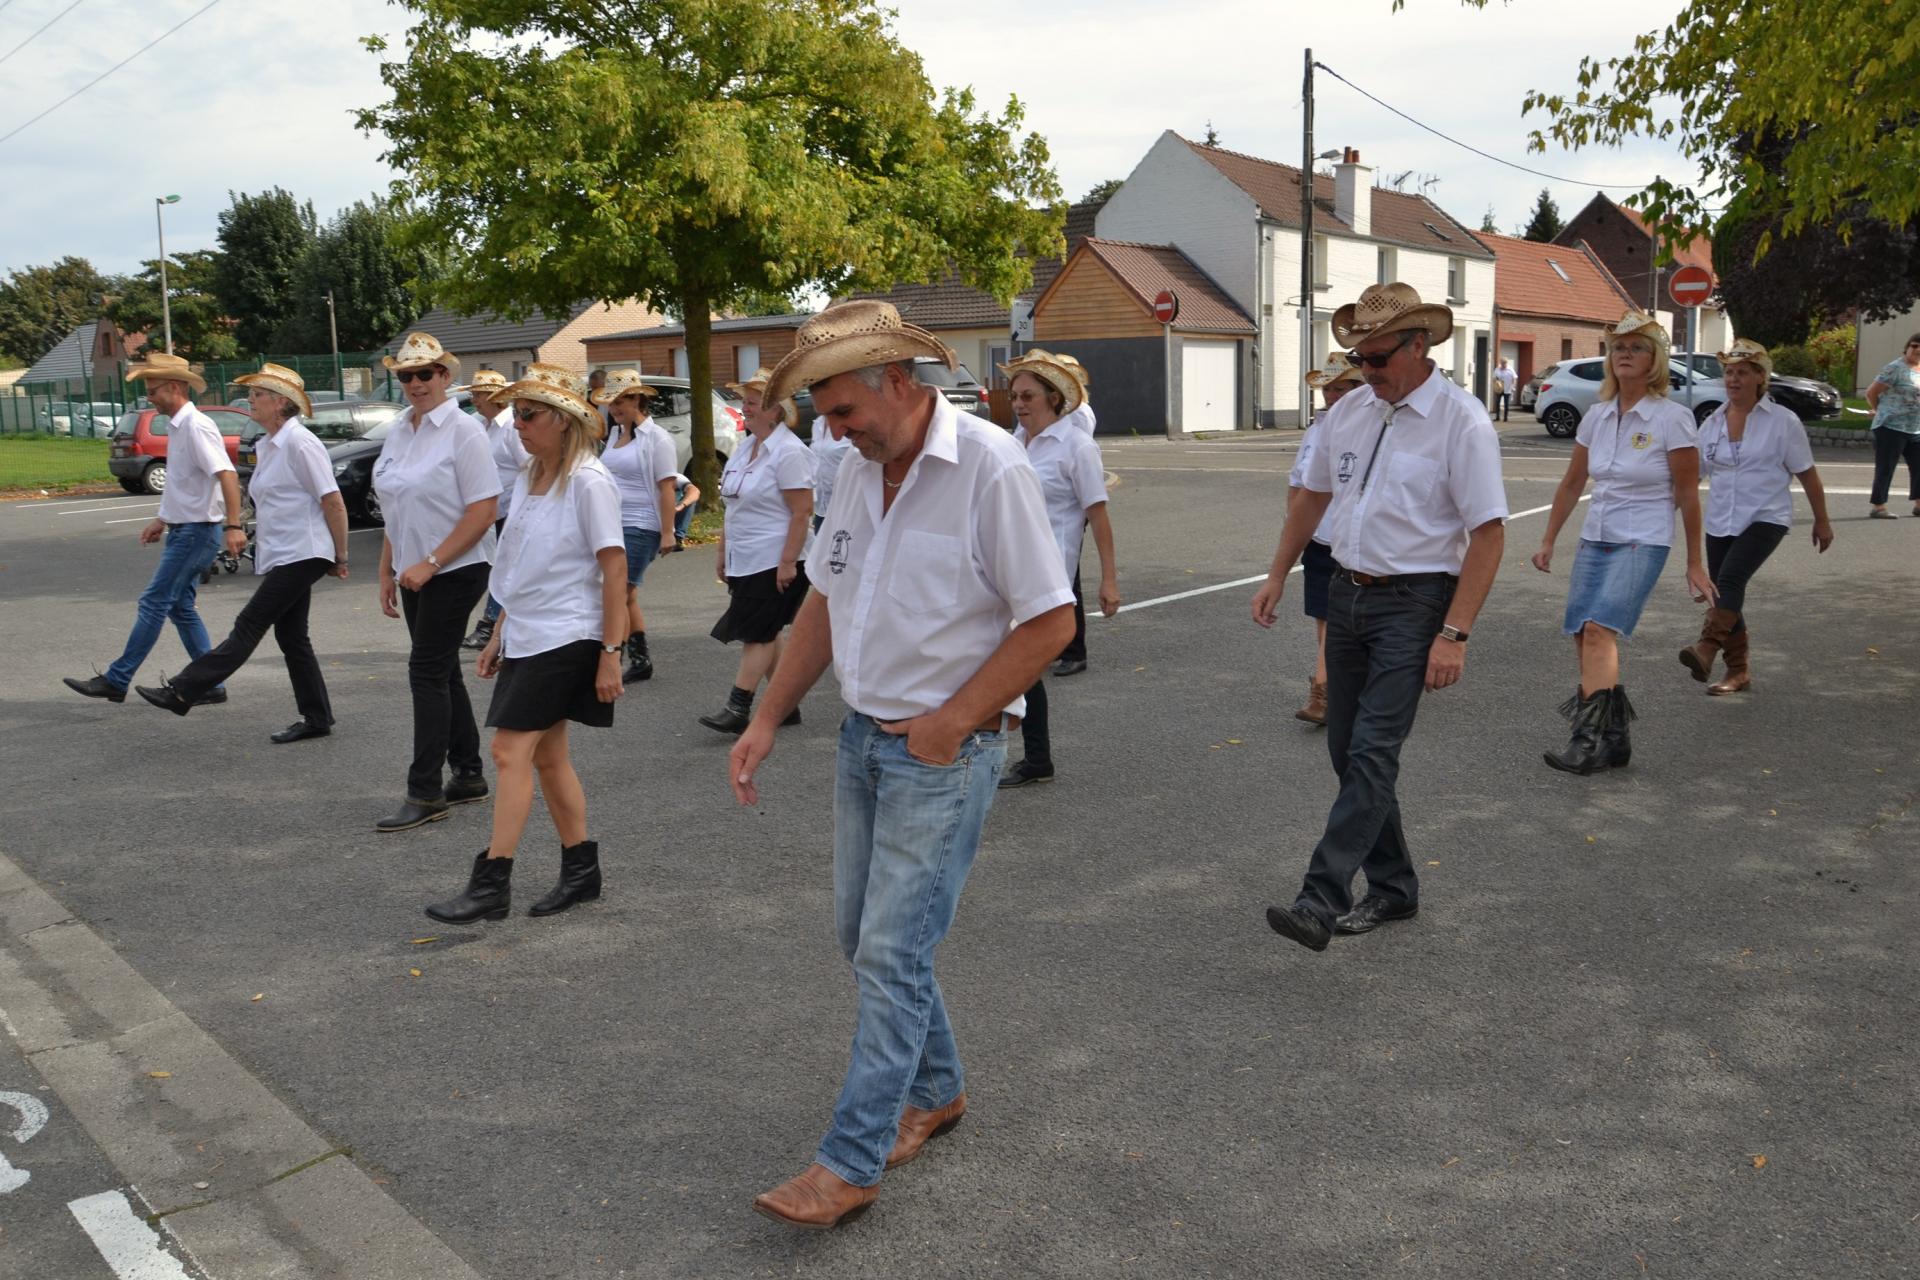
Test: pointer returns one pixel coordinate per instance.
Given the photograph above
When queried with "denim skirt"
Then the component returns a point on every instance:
(643, 547)
(1611, 583)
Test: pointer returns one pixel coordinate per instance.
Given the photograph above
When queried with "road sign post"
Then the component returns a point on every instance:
(1689, 287)
(1166, 309)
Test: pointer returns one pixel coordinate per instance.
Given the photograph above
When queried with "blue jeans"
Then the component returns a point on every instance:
(188, 550)
(904, 836)
(1378, 640)
(643, 548)
(684, 517)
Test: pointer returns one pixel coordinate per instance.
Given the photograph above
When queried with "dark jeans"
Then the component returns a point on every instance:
(1378, 639)
(1076, 650)
(1036, 745)
(280, 602)
(1732, 561)
(1503, 405)
(443, 728)
(1889, 448)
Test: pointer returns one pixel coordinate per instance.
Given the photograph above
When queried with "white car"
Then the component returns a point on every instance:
(1568, 390)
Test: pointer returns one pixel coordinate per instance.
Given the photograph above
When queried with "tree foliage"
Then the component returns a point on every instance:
(41, 305)
(201, 329)
(1812, 278)
(373, 282)
(1546, 222)
(263, 239)
(695, 153)
(1101, 192)
(1487, 222)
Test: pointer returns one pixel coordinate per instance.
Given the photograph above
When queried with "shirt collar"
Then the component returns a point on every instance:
(448, 411)
(184, 414)
(943, 433)
(1642, 408)
(1423, 397)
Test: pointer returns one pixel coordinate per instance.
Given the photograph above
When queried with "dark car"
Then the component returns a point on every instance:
(334, 423)
(957, 384)
(1806, 397)
(137, 451)
(353, 471)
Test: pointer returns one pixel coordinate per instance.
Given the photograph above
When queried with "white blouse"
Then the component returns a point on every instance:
(509, 455)
(753, 485)
(427, 477)
(1751, 479)
(1627, 458)
(292, 475)
(638, 467)
(828, 454)
(1071, 479)
(547, 579)
(1302, 465)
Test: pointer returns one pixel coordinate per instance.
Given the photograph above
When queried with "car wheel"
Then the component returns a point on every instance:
(130, 485)
(371, 507)
(1560, 420)
(1701, 412)
(154, 479)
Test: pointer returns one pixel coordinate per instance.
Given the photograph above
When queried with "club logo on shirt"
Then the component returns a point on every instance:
(1641, 440)
(1346, 465)
(837, 556)
(1712, 451)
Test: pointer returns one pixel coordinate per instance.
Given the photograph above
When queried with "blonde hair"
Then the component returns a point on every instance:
(1659, 382)
(576, 444)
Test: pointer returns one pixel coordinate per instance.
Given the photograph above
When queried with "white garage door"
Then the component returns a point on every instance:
(1208, 384)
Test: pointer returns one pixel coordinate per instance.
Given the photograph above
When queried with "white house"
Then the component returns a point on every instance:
(1237, 217)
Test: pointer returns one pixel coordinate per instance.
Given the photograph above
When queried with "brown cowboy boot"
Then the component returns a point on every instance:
(817, 1200)
(1698, 656)
(917, 1128)
(1315, 712)
(1737, 681)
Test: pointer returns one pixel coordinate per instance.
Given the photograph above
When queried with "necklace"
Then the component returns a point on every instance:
(892, 484)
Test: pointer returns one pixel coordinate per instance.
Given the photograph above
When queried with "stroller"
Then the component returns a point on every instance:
(226, 561)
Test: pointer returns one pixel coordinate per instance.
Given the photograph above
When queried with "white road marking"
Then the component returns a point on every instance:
(33, 1114)
(129, 1245)
(118, 506)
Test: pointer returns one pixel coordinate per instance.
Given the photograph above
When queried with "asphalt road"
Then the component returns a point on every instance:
(1654, 1023)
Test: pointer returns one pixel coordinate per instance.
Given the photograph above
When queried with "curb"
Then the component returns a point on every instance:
(231, 1175)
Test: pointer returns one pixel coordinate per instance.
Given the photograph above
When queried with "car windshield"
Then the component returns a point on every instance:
(337, 422)
(935, 374)
(129, 423)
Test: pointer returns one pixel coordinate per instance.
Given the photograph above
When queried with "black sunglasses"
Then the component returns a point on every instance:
(1379, 361)
(408, 375)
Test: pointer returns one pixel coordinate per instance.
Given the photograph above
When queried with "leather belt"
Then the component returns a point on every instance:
(1359, 579)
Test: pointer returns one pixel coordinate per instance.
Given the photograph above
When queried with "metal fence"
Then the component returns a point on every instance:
(90, 407)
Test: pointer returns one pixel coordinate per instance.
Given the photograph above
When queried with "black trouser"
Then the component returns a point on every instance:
(1502, 405)
(443, 728)
(1889, 447)
(1037, 747)
(280, 602)
(1076, 650)
(1731, 562)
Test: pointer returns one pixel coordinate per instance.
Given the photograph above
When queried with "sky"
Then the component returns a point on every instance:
(253, 94)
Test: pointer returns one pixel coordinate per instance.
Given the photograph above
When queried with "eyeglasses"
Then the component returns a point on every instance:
(1380, 360)
(1632, 348)
(528, 415)
(408, 375)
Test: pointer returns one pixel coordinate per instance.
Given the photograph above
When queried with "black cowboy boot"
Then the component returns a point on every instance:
(1582, 753)
(478, 637)
(1616, 745)
(486, 897)
(639, 665)
(579, 879)
(735, 716)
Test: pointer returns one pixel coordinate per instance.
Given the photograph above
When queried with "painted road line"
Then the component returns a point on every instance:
(118, 506)
(129, 1245)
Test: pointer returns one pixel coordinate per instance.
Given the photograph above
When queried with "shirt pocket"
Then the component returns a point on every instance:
(1410, 480)
(926, 571)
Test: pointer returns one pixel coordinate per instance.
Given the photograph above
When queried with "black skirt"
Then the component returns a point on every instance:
(538, 692)
(759, 610)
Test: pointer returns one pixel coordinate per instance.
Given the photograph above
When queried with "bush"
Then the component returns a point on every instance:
(1835, 351)
(1795, 362)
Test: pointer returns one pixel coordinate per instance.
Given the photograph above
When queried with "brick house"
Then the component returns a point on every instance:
(1551, 302)
(492, 342)
(739, 346)
(1622, 240)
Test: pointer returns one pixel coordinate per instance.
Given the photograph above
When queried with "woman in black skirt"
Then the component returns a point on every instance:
(768, 489)
(561, 579)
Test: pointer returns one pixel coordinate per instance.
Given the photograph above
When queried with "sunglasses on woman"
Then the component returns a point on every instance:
(408, 375)
(1379, 361)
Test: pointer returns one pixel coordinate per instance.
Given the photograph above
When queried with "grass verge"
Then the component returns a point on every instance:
(51, 462)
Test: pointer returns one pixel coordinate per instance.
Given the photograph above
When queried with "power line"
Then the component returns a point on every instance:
(1601, 186)
(20, 128)
(36, 35)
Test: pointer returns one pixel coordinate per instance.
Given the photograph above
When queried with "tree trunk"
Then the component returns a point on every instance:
(703, 467)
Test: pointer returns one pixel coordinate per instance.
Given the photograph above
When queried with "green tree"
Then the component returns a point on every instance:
(1545, 223)
(201, 329)
(693, 153)
(1487, 223)
(1101, 192)
(373, 281)
(41, 305)
(262, 241)
(1814, 277)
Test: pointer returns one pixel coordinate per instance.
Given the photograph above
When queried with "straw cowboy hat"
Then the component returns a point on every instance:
(849, 336)
(1054, 372)
(558, 388)
(486, 382)
(1337, 369)
(162, 367)
(1747, 351)
(789, 411)
(419, 351)
(1390, 308)
(1079, 370)
(280, 379)
(1638, 321)
(623, 382)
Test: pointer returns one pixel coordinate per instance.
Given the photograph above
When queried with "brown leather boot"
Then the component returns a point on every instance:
(1698, 656)
(1737, 681)
(918, 1127)
(817, 1200)
(1315, 712)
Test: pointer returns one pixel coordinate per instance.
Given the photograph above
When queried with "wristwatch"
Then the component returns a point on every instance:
(433, 560)
(610, 648)
(1450, 632)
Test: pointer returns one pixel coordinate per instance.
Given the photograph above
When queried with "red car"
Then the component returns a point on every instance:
(137, 453)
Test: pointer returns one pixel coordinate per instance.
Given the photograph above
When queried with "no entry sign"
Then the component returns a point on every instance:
(1690, 286)
(1166, 306)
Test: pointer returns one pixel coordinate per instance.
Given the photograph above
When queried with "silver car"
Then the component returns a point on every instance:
(1569, 388)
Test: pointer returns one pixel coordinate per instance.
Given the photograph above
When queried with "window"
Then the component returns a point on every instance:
(680, 363)
(1387, 266)
(1588, 370)
(1437, 231)
(1456, 279)
(1560, 271)
(746, 361)
(1319, 262)
(1566, 347)
(996, 356)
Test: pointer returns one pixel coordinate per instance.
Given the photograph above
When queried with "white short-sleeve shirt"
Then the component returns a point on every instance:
(922, 595)
(1081, 418)
(291, 476)
(757, 516)
(196, 455)
(427, 477)
(1751, 479)
(1302, 463)
(638, 467)
(509, 455)
(1627, 458)
(828, 454)
(1406, 496)
(1071, 480)
(547, 578)
(1506, 378)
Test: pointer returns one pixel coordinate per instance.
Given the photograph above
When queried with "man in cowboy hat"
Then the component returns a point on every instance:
(201, 488)
(939, 597)
(1407, 480)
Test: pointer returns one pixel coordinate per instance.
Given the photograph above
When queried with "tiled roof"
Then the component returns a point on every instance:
(949, 304)
(487, 332)
(71, 357)
(1395, 216)
(1697, 252)
(1146, 269)
(1526, 281)
(731, 324)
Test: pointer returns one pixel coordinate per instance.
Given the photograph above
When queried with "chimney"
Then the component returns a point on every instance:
(1353, 193)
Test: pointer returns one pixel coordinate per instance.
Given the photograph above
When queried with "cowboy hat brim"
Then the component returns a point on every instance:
(554, 397)
(1436, 319)
(446, 360)
(1056, 375)
(607, 395)
(808, 366)
(279, 386)
(150, 374)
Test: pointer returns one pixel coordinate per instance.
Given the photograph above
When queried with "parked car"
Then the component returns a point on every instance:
(78, 417)
(334, 422)
(137, 450)
(1569, 388)
(1529, 393)
(1803, 397)
(673, 410)
(957, 384)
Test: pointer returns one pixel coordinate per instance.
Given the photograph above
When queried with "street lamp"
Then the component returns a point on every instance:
(166, 309)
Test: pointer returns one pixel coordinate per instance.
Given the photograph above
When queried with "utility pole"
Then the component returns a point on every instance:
(1306, 238)
(166, 306)
(333, 327)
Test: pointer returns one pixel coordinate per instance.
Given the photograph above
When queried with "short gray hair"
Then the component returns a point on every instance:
(874, 376)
